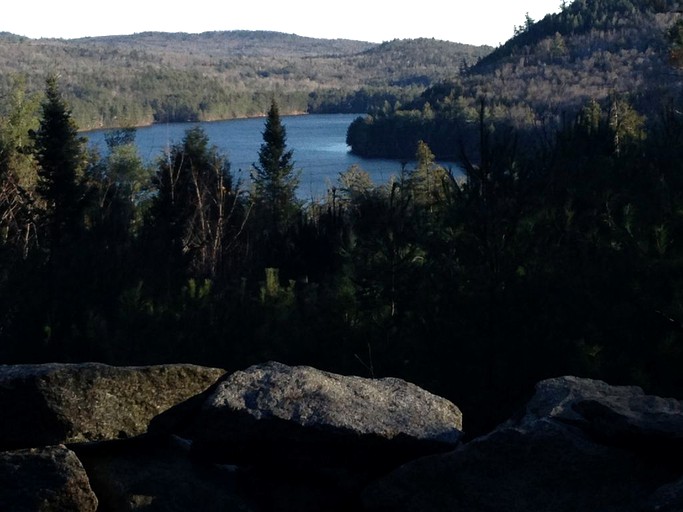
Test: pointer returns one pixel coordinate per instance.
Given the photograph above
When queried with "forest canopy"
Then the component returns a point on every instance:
(559, 257)
(609, 51)
(160, 77)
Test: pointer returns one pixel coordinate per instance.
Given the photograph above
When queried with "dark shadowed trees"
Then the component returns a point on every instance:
(194, 211)
(61, 160)
(46, 296)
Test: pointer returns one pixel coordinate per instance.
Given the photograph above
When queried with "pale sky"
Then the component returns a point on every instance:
(465, 21)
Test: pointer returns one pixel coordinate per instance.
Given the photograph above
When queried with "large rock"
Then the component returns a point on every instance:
(278, 414)
(48, 479)
(151, 474)
(668, 498)
(552, 467)
(567, 451)
(60, 403)
(622, 415)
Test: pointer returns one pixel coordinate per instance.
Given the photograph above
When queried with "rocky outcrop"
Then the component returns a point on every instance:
(294, 416)
(614, 415)
(49, 479)
(61, 403)
(156, 438)
(314, 439)
(549, 467)
(579, 445)
(275, 438)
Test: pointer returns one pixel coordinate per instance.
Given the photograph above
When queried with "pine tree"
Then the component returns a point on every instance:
(428, 181)
(63, 301)
(61, 158)
(275, 179)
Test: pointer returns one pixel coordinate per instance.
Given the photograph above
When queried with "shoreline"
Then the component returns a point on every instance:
(147, 125)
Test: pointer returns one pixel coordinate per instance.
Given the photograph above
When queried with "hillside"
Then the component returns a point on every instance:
(591, 50)
(161, 77)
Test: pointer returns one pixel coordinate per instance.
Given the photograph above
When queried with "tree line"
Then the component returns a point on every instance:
(155, 77)
(559, 259)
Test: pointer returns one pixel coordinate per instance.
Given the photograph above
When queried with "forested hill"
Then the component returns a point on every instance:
(592, 50)
(228, 44)
(161, 77)
(608, 25)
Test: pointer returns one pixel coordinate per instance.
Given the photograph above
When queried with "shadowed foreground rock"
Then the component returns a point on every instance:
(276, 414)
(668, 498)
(151, 475)
(62, 403)
(49, 479)
(615, 415)
(308, 440)
(305, 440)
(578, 446)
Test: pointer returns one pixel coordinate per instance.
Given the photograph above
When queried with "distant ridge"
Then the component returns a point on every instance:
(235, 42)
(8, 36)
(160, 77)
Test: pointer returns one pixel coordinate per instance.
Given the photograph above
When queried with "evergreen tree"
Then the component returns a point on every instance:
(58, 298)
(275, 179)
(61, 158)
(194, 205)
(428, 181)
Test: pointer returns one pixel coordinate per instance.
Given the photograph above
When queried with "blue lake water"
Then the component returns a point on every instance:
(318, 142)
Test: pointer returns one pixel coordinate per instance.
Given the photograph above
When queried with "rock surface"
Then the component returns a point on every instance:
(282, 414)
(300, 439)
(49, 479)
(552, 467)
(556, 456)
(61, 403)
(668, 498)
(610, 414)
(150, 474)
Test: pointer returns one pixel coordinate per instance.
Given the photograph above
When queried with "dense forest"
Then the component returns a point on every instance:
(163, 77)
(615, 52)
(564, 257)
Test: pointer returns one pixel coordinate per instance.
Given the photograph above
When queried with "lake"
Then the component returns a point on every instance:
(318, 142)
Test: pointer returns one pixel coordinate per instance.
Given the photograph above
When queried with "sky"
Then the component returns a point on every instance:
(476, 22)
